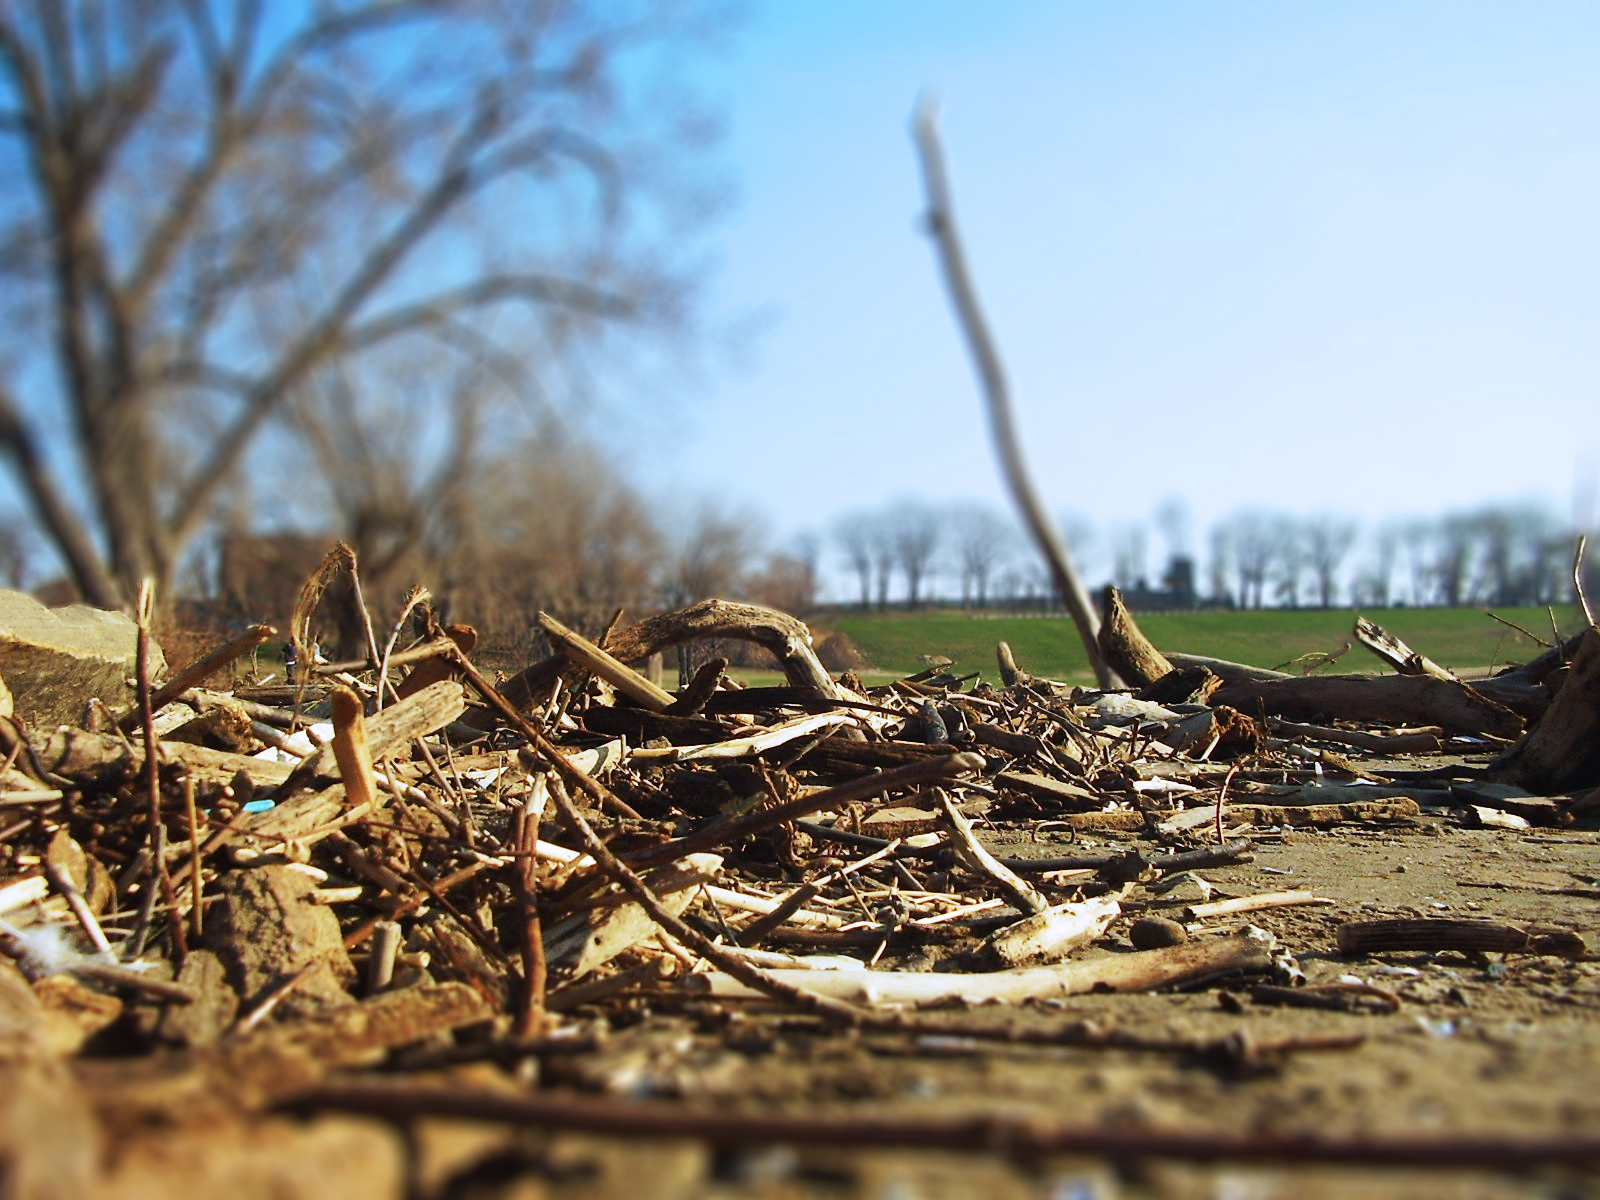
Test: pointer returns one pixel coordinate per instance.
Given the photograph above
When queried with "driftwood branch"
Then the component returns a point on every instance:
(1396, 653)
(1563, 750)
(786, 638)
(1125, 648)
(1413, 699)
(958, 281)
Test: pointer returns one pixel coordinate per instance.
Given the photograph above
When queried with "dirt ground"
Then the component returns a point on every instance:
(1502, 1046)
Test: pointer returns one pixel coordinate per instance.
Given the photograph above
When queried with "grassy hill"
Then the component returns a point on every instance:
(1459, 638)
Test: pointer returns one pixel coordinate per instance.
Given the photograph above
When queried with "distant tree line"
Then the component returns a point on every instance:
(912, 552)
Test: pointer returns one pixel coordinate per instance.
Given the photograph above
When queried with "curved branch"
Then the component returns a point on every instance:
(785, 637)
(942, 227)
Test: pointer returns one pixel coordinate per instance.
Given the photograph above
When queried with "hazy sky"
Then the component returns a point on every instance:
(1309, 256)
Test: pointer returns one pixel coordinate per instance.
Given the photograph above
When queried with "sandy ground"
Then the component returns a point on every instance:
(1494, 1046)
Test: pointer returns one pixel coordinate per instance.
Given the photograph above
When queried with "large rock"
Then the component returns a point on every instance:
(266, 926)
(55, 660)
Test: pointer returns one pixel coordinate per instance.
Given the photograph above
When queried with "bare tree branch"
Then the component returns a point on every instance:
(958, 280)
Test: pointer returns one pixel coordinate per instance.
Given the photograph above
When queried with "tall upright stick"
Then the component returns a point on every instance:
(1046, 536)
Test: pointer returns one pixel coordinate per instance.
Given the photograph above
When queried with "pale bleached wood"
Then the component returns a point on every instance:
(1137, 972)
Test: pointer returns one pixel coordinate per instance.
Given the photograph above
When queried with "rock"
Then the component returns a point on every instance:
(266, 926)
(73, 1012)
(273, 1159)
(48, 1140)
(209, 1017)
(1152, 933)
(55, 660)
(6, 707)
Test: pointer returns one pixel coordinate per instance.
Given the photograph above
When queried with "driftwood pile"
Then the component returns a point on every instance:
(428, 869)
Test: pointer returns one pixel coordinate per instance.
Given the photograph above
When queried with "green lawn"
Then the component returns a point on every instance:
(1459, 638)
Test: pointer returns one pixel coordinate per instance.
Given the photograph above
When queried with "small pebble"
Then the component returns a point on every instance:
(1152, 933)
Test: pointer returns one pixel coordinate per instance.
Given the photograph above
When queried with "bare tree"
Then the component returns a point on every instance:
(853, 533)
(881, 539)
(1327, 540)
(1130, 554)
(1288, 558)
(786, 582)
(1451, 565)
(1416, 535)
(1374, 584)
(208, 209)
(915, 530)
(1221, 564)
(982, 540)
(14, 557)
(713, 550)
(1173, 519)
(1253, 536)
(552, 527)
(1523, 555)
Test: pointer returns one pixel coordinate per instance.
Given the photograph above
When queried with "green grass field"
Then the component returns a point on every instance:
(1459, 638)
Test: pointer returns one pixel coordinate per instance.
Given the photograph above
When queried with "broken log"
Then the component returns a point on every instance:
(1410, 699)
(1400, 657)
(1562, 752)
(1125, 648)
(1471, 934)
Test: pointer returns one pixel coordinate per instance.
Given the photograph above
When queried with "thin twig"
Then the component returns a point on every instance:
(1577, 581)
(1532, 637)
(206, 665)
(535, 971)
(196, 883)
(152, 776)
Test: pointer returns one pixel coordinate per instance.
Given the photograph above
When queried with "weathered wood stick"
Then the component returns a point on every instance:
(1008, 447)
(768, 739)
(933, 770)
(416, 716)
(788, 640)
(350, 748)
(1053, 933)
(1244, 904)
(1427, 740)
(1010, 673)
(1396, 653)
(1455, 933)
(978, 860)
(1562, 752)
(586, 654)
(207, 664)
(1228, 672)
(1137, 972)
(591, 939)
(1394, 808)
(99, 759)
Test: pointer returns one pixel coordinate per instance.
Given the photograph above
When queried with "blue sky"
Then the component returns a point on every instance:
(1334, 257)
